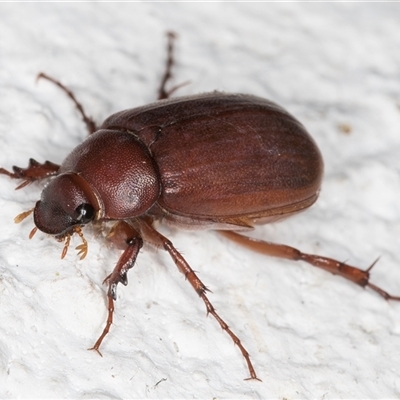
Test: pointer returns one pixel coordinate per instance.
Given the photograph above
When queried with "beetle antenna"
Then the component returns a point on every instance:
(22, 216)
(82, 248)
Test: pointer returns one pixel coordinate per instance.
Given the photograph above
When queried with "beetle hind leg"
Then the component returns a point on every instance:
(356, 275)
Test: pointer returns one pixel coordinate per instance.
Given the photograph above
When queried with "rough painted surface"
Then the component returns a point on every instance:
(310, 334)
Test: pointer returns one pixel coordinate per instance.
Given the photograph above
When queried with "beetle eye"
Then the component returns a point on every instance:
(84, 213)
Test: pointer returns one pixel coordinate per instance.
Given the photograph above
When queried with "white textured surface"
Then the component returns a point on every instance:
(310, 334)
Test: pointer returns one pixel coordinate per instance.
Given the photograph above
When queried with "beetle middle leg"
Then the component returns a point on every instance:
(356, 275)
(89, 122)
(151, 236)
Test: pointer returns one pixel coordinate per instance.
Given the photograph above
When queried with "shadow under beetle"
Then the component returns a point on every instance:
(211, 161)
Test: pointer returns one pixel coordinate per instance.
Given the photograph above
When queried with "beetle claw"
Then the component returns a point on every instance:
(97, 350)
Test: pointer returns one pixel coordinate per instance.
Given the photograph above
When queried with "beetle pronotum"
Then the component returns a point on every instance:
(211, 161)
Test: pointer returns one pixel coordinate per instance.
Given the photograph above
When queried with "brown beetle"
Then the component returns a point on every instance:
(211, 161)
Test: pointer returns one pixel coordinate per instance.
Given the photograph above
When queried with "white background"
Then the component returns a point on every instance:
(310, 334)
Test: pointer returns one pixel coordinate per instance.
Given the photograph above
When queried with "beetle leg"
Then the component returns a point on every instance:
(129, 239)
(155, 238)
(163, 93)
(34, 172)
(356, 275)
(89, 122)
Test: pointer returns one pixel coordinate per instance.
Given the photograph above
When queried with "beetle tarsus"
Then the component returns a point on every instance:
(381, 292)
(354, 274)
(107, 327)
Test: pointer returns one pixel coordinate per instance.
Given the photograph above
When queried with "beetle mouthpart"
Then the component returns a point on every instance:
(82, 248)
(32, 233)
(67, 239)
(23, 215)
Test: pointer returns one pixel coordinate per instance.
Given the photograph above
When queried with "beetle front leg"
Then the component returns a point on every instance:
(34, 172)
(157, 239)
(124, 237)
(356, 275)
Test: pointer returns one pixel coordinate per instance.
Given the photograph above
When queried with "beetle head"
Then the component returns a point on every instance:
(67, 202)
